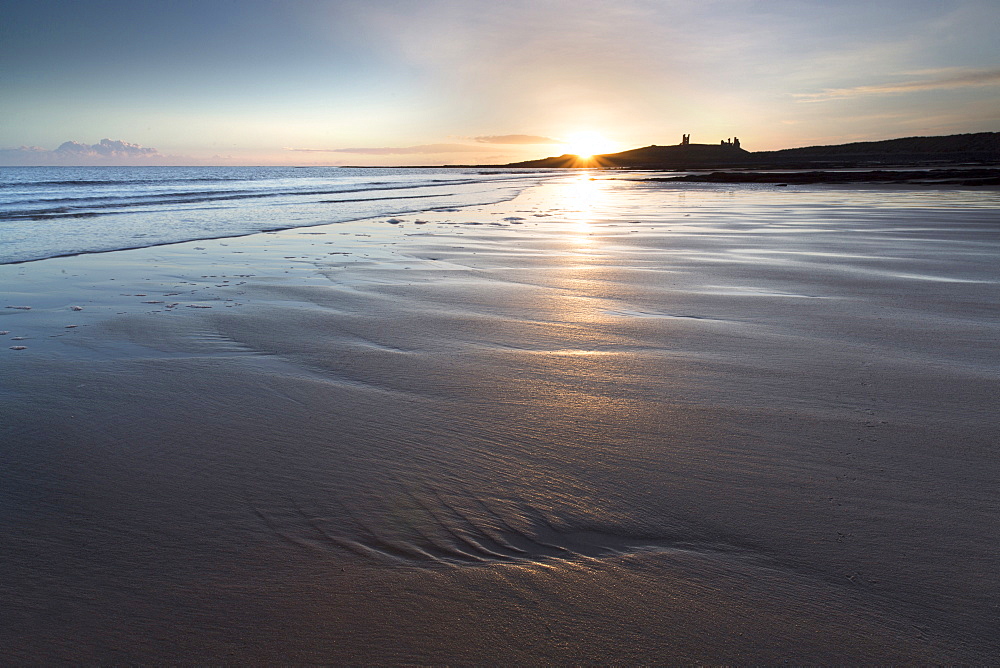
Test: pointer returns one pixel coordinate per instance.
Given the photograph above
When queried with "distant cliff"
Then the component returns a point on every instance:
(678, 156)
(980, 147)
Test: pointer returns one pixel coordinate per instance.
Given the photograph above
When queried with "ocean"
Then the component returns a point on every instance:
(55, 211)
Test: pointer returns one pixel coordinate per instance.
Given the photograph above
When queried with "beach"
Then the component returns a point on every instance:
(605, 421)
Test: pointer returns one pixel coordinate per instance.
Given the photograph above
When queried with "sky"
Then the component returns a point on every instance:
(405, 82)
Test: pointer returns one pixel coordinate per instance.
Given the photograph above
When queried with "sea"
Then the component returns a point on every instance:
(56, 211)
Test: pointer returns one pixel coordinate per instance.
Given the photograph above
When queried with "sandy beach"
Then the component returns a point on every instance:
(608, 421)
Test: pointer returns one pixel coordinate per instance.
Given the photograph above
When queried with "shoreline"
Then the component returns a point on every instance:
(605, 421)
(943, 180)
(64, 215)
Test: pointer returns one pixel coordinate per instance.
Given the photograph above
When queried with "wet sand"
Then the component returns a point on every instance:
(607, 421)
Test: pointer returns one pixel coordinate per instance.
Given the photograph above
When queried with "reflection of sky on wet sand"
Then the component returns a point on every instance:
(582, 197)
(599, 438)
(579, 260)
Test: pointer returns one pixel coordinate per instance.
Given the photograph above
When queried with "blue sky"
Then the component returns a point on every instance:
(471, 81)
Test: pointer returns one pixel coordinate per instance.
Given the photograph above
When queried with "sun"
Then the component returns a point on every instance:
(588, 143)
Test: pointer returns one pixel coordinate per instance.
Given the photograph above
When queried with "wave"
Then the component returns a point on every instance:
(137, 212)
(116, 182)
(91, 205)
(96, 205)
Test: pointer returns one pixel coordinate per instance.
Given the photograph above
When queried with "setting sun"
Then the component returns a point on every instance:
(589, 143)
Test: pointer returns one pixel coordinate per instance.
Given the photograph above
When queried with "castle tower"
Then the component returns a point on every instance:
(685, 140)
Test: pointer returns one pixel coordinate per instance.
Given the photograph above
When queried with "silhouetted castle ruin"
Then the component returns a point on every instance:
(734, 142)
(683, 155)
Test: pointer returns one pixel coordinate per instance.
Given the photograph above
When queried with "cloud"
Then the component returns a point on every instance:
(517, 139)
(108, 148)
(434, 149)
(944, 79)
(400, 150)
(107, 152)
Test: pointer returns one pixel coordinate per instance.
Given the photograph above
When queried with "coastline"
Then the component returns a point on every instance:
(967, 177)
(603, 421)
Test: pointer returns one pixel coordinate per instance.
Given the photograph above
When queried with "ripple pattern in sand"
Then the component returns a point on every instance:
(428, 529)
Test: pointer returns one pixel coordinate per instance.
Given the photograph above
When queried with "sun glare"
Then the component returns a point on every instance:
(589, 143)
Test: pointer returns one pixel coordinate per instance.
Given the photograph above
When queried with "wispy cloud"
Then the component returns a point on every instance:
(517, 139)
(939, 79)
(399, 150)
(489, 141)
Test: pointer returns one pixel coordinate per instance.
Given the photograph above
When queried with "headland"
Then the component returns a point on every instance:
(982, 148)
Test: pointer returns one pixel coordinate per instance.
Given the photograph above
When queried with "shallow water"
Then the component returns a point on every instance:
(602, 422)
(57, 211)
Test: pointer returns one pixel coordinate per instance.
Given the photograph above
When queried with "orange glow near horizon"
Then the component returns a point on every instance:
(587, 144)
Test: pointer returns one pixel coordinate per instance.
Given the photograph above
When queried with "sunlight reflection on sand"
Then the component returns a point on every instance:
(606, 419)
